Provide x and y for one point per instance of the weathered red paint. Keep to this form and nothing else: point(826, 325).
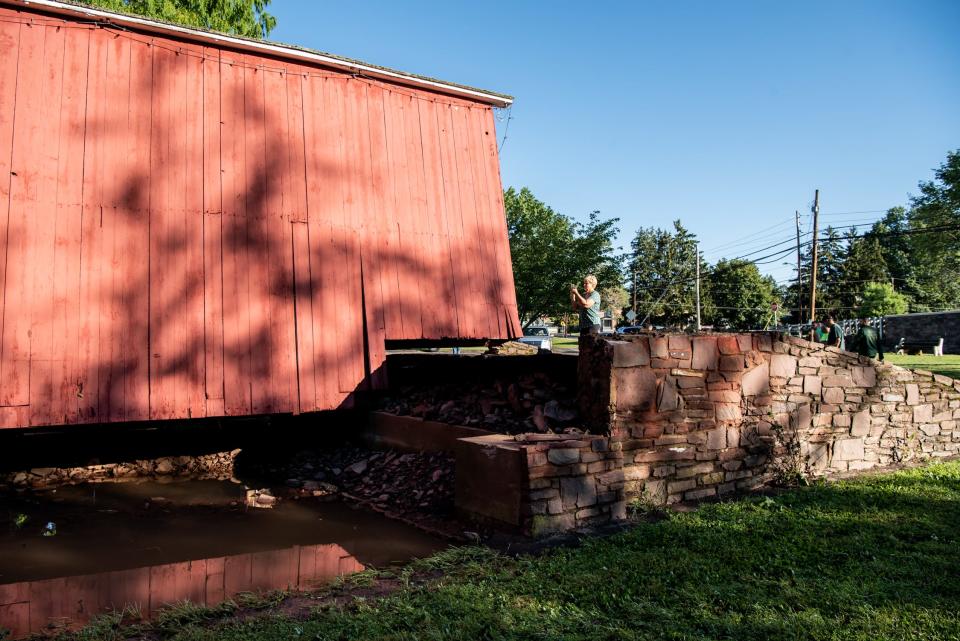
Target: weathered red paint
point(191, 231)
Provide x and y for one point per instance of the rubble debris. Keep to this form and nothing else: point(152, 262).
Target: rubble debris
point(529, 403)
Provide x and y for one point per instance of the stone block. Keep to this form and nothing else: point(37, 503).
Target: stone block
point(694, 470)
point(655, 492)
point(728, 412)
point(812, 385)
point(861, 423)
point(678, 342)
point(930, 429)
point(810, 361)
point(833, 395)
point(848, 449)
point(783, 365)
point(633, 353)
point(841, 420)
point(578, 491)
point(702, 493)
point(756, 381)
point(717, 439)
point(543, 525)
point(634, 389)
point(864, 376)
point(636, 472)
point(731, 363)
point(704, 353)
point(658, 347)
point(728, 345)
point(667, 396)
point(913, 394)
point(922, 413)
point(563, 456)
point(837, 381)
point(676, 487)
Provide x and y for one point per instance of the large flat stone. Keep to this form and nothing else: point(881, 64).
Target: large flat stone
point(667, 397)
point(922, 413)
point(861, 423)
point(812, 385)
point(634, 389)
point(848, 449)
point(864, 376)
point(913, 394)
point(756, 381)
point(783, 365)
point(833, 395)
point(632, 353)
point(704, 353)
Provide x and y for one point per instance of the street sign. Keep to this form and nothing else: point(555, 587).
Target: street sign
point(631, 315)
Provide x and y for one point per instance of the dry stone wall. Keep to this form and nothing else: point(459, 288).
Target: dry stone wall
point(694, 417)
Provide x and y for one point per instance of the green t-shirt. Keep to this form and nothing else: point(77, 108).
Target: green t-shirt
point(868, 342)
point(590, 316)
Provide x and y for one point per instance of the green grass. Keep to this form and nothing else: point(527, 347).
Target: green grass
point(875, 558)
point(948, 365)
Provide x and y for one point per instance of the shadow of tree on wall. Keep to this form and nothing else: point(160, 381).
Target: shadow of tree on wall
point(236, 235)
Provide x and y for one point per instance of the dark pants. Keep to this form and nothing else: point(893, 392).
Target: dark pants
point(590, 329)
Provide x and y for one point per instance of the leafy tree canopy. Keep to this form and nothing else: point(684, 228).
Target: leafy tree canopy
point(663, 270)
point(247, 18)
point(741, 295)
point(880, 299)
point(550, 251)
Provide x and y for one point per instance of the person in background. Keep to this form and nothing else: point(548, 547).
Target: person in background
point(820, 333)
point(835, 337)
point(588, 304)
point(867, 340)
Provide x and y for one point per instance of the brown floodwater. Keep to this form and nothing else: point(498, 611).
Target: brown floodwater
point(151, 544)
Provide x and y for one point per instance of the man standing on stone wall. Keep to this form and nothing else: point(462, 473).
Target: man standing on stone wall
point(867, 340)
point(588, 304)
point(835, 337)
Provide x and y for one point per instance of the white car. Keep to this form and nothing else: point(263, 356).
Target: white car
point(539, 337)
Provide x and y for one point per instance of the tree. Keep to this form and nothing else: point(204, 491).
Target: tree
point(664, 273)
point(550, 251)
point(880, 299)
point(239, 17)
point(614, 299)
point(936, 254)
point(863, 262)
point(741, 295)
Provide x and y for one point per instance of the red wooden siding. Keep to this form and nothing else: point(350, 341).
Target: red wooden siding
point(191, 231)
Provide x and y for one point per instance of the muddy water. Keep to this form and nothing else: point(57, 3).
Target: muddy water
point(152, 544)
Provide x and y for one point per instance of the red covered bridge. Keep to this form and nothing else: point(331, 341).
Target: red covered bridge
point(193, 224)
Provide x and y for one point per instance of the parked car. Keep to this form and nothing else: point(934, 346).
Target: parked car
point(630, 329)
point(539, 337)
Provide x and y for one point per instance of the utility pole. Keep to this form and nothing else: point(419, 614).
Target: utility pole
point(799, 277)
point(634, 288)
point(697, 259)
point(813, 269)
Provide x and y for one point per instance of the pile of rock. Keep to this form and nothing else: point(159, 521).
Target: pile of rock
point(218, 466)
point(390, 481)
point(529, 403)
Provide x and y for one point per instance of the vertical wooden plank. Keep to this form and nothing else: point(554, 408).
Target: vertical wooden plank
point(136, 247)
point(277, 242)
point(212, 242)
point(444, 306)
point(322, 195)
point(191, 579)
point(417, 234)
point(41, 202)
point(295, 203)
point(236, 574)
point(192, 345)
point(488, 284)
point(236, 326)
point(25, 173)
point(67, 227)
point(113, 230)
point(214, 589)
point(91, 250)
point(454, 226)
point(274, 569)
point(498, 222)
point(407, 290)
point(255, 192)
point(163, 586)
point(471, 237)
point(9, 42)
point(374, 260)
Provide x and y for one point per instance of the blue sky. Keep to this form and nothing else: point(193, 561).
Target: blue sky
point(726, 115)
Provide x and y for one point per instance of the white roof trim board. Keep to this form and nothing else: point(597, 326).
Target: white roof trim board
point(249, 44)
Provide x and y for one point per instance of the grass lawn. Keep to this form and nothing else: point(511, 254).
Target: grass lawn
point(875, 558)
point(948, 365)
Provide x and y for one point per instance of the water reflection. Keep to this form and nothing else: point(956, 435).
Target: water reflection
point(153, 544)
